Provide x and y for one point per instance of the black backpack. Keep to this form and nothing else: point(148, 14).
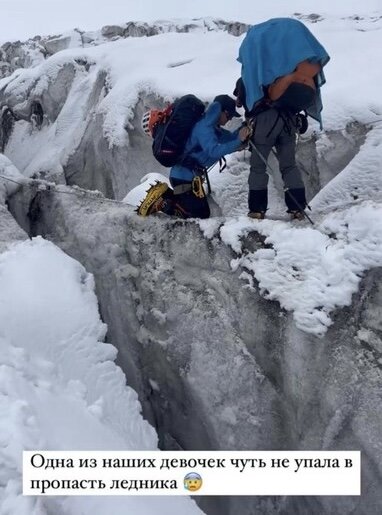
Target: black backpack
point(172, 132)
point(296, 91)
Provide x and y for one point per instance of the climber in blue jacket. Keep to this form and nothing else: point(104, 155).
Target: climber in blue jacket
point(207, 144)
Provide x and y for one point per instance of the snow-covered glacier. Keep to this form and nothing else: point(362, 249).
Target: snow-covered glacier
point(236, 334)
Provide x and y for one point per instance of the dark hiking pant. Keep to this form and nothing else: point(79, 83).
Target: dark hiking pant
point(273, 128)
point(185, 205)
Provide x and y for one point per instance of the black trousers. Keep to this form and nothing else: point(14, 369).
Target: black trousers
point(185, 205)
point(273, 129)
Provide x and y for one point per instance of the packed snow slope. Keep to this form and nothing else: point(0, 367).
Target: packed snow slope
point(235, 333)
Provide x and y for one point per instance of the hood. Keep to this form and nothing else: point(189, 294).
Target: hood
point(211, 116)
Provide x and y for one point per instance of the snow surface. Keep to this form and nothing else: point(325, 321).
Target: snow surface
point(312, 271)
point(137, 194)
point(10, 178)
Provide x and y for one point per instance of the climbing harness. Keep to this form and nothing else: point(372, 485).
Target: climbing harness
point(197, 187)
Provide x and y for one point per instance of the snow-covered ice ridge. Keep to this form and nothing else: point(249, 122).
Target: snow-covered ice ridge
point(23, 54)
point(16, 54)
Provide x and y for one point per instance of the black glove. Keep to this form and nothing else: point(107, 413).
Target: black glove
point(301, 123)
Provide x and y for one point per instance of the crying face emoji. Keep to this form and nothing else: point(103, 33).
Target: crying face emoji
point(192, 481)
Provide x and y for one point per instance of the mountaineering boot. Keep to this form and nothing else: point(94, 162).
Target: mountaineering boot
point(297, 215)
point(295, 199)
point(257, 215)
point(257, 201)
point(153, 201)
point(296, 203)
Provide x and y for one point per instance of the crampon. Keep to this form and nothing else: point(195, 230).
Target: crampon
point(153, 201)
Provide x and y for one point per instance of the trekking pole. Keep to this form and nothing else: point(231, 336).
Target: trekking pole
point(378, 120)
point(273, 173)
point(306, 173)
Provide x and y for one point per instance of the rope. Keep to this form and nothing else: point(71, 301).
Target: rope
point(52, 186)
point(12, 180)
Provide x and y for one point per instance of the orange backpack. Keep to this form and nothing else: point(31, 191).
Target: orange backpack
point(297, 90)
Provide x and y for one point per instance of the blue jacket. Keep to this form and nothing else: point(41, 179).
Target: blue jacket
point(273, 49)
point(207, 143)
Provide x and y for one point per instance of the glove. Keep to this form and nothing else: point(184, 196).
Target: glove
point(301, 123)
point(244, 133)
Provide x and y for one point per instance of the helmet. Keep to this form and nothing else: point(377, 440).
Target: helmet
point(150, 119)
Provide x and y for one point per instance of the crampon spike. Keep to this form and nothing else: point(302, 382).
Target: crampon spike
point(153, 194)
